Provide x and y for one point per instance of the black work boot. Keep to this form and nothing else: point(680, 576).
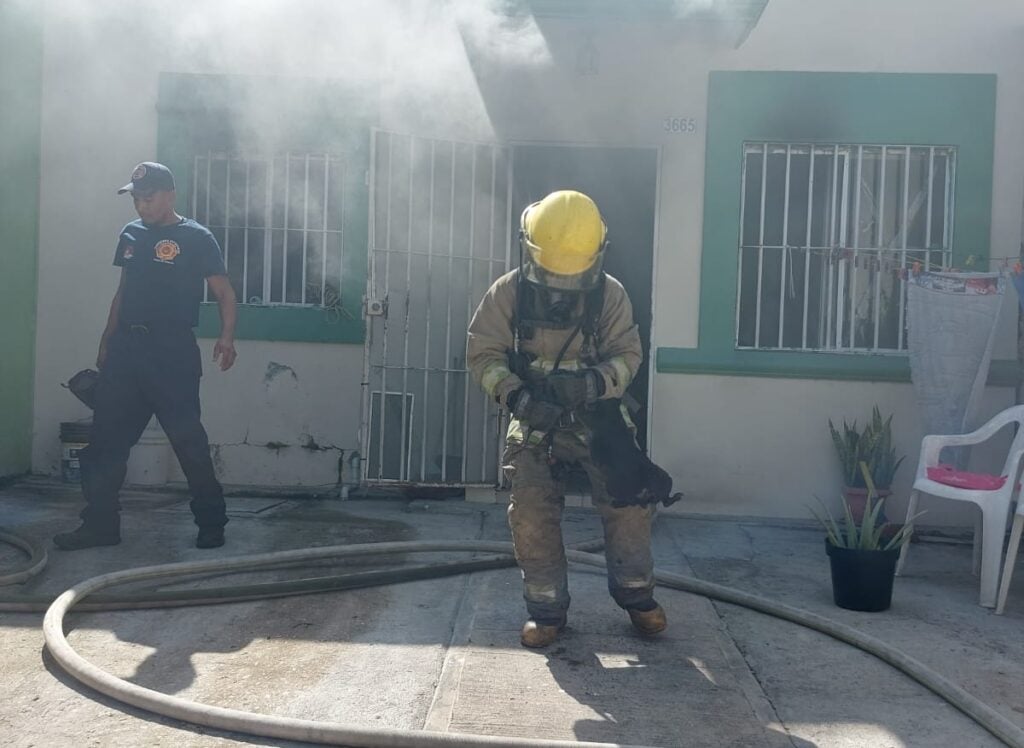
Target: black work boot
point(87, 536)
point(210, 537)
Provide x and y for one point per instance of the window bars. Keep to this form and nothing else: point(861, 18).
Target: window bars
point(824, 232)
point(279, 222)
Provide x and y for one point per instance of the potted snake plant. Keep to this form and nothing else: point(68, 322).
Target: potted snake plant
point(872, 446)
point(863, 553)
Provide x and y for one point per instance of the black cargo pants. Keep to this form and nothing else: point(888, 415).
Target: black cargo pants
point(148, 370)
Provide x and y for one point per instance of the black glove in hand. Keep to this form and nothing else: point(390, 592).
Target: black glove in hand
point(537, 414)
point(83, 386)
point(575, 388)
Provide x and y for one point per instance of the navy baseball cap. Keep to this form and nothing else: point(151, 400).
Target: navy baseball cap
point(149, 176)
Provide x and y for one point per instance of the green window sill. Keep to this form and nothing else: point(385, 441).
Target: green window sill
point(800, 365)
point(286, 323)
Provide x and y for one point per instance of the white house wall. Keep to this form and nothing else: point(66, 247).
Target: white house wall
point(751, 446)
point(734, 444)
point(288, 417)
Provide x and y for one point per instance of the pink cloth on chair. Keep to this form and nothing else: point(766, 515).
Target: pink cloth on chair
point(950, 476)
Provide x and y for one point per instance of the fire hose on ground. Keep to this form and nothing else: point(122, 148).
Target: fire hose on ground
point(341, 734)
point(36, 558)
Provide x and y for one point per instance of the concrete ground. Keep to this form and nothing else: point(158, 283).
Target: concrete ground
point(444, 654)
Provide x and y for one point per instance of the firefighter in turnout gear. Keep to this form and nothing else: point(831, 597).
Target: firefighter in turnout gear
point(553, 341)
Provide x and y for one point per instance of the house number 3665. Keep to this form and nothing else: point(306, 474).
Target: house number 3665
point(679, 124)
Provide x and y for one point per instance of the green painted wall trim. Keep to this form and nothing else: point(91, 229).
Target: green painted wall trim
point(200, 113)
point(796, 365)
point(867, 108)
point(21, 65)
point(289, 323)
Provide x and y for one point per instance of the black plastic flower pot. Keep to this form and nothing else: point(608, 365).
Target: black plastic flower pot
point(862, 580)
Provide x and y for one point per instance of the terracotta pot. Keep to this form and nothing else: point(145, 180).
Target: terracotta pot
point(857, 498)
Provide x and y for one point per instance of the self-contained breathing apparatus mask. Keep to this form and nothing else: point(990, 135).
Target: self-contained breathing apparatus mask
point(559, 306)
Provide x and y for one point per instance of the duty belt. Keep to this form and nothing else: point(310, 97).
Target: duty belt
point(154, 328)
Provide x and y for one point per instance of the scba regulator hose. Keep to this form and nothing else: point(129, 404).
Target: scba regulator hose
point(342, 734)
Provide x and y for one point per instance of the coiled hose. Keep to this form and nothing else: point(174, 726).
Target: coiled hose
point(36, 560)
point(336, 733)
point(150, 599)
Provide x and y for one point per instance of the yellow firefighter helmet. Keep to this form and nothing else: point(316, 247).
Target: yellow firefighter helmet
point(563, 238)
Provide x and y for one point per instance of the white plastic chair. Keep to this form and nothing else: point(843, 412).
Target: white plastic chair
point(994, 505)
point(1011, 556)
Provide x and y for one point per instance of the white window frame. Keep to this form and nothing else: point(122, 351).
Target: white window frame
point(322, 219)
point(864, 249)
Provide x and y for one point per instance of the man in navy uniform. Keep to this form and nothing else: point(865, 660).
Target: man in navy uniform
point(149, 361)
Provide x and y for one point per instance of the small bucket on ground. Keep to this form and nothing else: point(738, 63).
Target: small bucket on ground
point(74, 437)
point(150, 460)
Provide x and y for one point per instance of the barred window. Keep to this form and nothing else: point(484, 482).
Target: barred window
point(279, 223)
point(824, 232)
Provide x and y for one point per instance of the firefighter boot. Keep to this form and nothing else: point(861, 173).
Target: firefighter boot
point(88, 536)
point(210, 537)
point(536, 635)
point(649, 622)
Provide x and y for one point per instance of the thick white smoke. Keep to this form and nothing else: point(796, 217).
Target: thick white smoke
point(413, 54)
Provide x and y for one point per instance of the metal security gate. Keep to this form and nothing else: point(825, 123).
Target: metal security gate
point(440, 233)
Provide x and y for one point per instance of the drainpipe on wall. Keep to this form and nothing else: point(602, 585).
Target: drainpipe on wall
point(350, 477)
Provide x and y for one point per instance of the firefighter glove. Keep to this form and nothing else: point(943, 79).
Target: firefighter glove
point(575, 388)
point(538, 414)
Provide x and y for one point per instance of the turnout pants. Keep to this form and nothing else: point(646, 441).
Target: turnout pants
point(535, 514)
point(147, 371)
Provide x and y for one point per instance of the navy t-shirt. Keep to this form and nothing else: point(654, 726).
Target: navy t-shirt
point(165, 268)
